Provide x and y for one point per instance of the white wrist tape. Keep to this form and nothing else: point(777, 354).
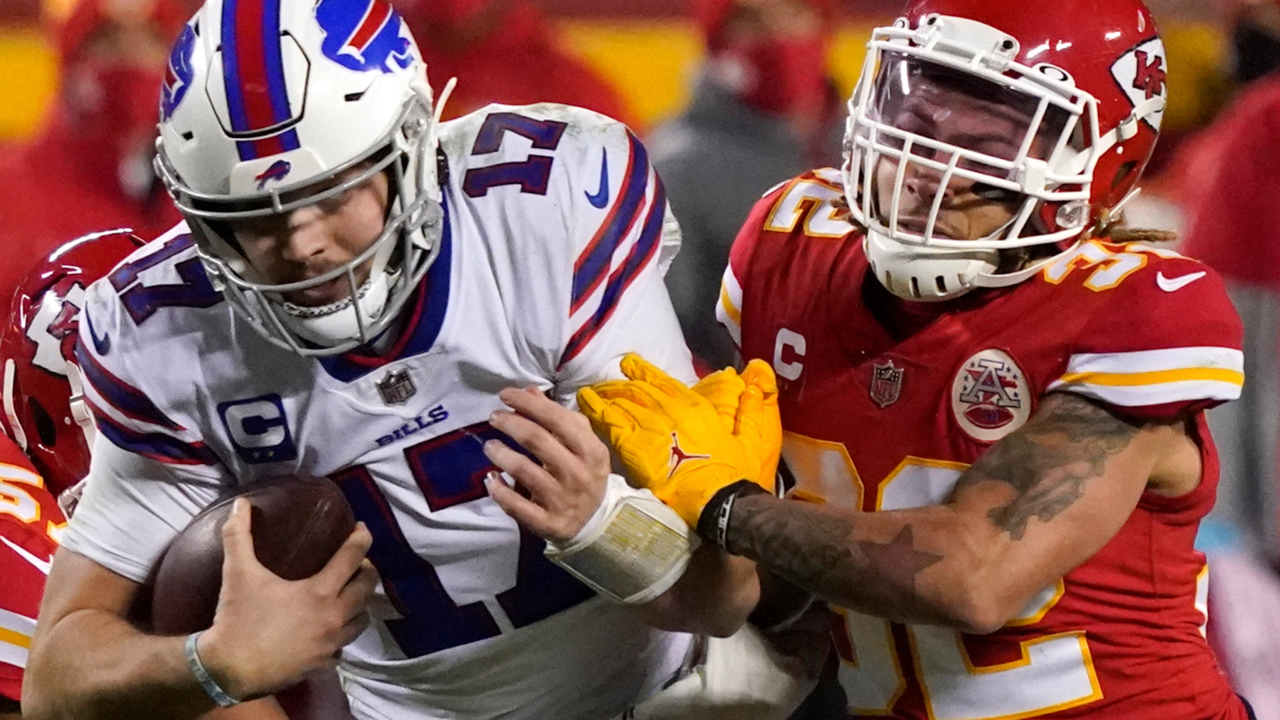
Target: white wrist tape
point(633, 549)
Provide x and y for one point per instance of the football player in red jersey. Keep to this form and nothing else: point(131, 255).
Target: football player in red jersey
point(29, 523)
point(993, 401)
point(44, 451)
point(45, 455)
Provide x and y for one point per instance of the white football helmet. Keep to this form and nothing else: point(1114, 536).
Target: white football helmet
point(1074, 91)
point(264, 104)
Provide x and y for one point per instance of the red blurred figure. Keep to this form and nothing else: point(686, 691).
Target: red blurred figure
point(90, 167)
point(503, 51)
point(772, 56)
point(763, 110)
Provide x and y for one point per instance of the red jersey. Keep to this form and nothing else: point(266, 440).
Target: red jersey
point(885, 403)
point(29, 523)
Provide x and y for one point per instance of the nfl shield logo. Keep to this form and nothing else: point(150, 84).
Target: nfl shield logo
point(396, 388)
point(886, 383)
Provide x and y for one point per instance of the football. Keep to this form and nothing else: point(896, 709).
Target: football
point(297, 524)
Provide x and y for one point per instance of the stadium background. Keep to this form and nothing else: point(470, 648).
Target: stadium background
point(648, 49)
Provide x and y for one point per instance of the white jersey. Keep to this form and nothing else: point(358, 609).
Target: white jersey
point(550, 270)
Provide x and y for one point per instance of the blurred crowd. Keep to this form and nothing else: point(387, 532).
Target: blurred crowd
point(764, 108)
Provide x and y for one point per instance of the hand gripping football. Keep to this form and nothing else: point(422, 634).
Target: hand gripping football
point(298, 524)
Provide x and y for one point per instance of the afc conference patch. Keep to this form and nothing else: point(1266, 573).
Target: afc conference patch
point(989, 396)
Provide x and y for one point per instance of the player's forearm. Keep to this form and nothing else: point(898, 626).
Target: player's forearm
point(713, 597)
point(904, 565)
point(94, 665)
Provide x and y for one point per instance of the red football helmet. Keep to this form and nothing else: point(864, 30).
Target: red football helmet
point(44, 407)
point(1076, 89)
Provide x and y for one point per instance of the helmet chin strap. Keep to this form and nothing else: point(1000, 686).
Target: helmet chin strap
point(999, 280)
point(10, 411)
point(331, 324)
point(965, 267)
point(429, 145)
point(80, 411)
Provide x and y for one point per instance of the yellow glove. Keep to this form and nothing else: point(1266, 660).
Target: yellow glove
point(687, 444)
point(746, 417)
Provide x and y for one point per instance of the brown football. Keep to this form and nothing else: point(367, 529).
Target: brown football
point(298, 524)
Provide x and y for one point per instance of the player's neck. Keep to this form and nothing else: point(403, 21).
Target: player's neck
point(904, 318)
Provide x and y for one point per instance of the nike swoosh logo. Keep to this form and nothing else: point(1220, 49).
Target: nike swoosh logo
point(1175, 284)
point(101, 344)
point(41, 565)
point(601, 198)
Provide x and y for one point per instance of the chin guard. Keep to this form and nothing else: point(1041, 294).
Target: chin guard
point(633, 549)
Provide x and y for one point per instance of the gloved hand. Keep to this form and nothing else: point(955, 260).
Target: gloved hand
point(686, 444)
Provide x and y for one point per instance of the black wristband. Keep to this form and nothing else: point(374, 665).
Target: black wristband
point(713, 523)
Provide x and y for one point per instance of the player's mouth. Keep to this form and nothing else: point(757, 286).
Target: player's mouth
point(917, 226)
point(326, 293)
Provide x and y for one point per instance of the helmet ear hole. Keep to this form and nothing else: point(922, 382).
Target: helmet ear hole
point(46, 428)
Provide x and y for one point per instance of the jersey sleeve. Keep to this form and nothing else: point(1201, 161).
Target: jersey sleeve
point(30, 523)
point(1159, 341)
point(150, 472)
point(781, 258)
point(589, 241)
point(616, 300)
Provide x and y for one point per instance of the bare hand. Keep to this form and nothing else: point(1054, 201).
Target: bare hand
point(269, 632)
point(567, 488)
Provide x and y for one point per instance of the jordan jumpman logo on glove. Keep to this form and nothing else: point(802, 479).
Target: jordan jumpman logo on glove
point(687, 444)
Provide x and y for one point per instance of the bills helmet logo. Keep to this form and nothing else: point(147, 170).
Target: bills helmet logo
point(366, 37)
point(1141, 74)
point(275, 173)
point(177, 77)
point(989, 396)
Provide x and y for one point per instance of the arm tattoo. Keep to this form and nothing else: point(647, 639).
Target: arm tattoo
point(815, 550)
point(1049, 460)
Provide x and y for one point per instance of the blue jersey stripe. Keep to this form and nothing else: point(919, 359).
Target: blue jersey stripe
point(129, 400)
point(593, 264)
point(622, 278)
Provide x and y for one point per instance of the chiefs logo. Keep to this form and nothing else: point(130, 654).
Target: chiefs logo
point(51, 330)
point(1141, 74)
point(989, 396)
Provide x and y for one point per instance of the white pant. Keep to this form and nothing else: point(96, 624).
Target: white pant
point(743, 677)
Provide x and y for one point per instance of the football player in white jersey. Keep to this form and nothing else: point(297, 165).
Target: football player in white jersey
point(353, 286)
